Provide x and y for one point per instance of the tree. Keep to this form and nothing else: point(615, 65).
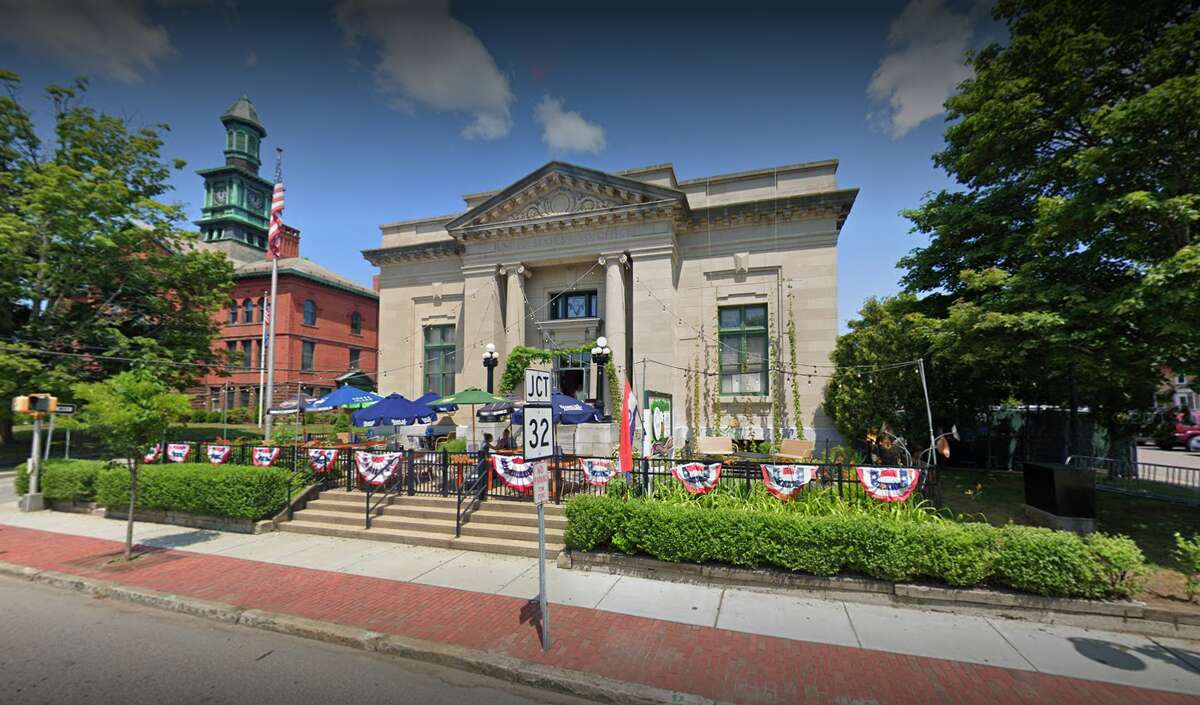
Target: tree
point(1064, 269)
point(95, 264)
point(129, 413)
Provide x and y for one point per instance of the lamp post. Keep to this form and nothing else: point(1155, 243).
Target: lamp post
point(600, 355)
point(491, 358)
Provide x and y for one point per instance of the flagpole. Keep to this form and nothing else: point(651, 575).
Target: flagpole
point(262, 359)
point(272, 247)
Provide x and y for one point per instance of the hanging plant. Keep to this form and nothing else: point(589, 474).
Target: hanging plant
point(797, 418)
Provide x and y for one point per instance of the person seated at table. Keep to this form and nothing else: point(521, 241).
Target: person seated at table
point(506, 440)
point(487, 443)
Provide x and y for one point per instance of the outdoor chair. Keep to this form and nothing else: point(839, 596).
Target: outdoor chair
point(714, 445)
point(795, 449)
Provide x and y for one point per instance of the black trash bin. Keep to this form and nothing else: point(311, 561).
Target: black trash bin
point(1060, 496)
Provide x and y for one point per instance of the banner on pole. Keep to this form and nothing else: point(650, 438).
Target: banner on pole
point(321, 459)
point(376, 469)
point(178, 452)
point(889, 484)
point(264, 457)
point(598, 472)
point(697, 478)
point(786, 481)
point(514, 472)
point(217, 455)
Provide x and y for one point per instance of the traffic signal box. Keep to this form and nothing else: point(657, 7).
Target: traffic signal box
point(36, 404)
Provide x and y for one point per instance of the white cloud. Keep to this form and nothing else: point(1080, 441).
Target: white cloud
point(113, 38)
point(567, 131)
point(427, 57)
point(930, 42)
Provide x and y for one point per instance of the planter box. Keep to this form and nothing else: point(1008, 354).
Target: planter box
point(73, 506)
point(195, 521)
point(1060, 496)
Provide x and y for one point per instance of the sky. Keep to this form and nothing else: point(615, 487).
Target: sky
point(394, 110)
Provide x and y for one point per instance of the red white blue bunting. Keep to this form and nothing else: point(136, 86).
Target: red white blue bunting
point(321, 459)
point(263, 456)
point(178, 452)
point(786, 481)
point(889, 484)
point(152, 454)
point(376, 469)
point(598, 472)
point(514, 472)
point(217, 455)
point(697, 478)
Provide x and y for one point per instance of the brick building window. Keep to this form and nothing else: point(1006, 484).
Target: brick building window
point(247, 353)
point(307, 350)
point(231, 351)
point(573, 304)
point(356, 323)
point(233, 309)
point(439, 359)
point(743, 335)
point(310, 312)
point(354, 353)
point(248, 311)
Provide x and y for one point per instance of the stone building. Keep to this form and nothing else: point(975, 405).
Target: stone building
point(326, 325)
point(723, 274)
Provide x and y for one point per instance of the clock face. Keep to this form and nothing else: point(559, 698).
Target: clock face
point(220, 195)
point(256, 199)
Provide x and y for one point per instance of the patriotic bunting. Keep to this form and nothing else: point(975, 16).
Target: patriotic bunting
point(178, 452)
point(321, 459)
point(217, 455)
point(598, 472)
point(264, 457)
point(786, 481)
point(514, 472)
point(376, 468)
point(697, 478)
point(889, 484)
point(152, 454)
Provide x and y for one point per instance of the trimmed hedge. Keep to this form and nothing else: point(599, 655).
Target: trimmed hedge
point(64, 480)
point(236, 491)
point(1034, 560)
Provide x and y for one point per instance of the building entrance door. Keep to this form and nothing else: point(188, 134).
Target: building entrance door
point(572, 372)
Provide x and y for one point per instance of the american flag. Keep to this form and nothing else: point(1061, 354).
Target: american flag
point(276, 230)
point(266, 323)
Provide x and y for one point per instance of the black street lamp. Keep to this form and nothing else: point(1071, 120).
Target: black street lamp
point(600, 355)
point(491, 358)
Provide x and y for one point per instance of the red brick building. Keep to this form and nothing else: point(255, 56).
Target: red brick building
point(326, 326)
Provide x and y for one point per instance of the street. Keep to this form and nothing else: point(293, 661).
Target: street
point(7, 492)
point(63, 648)
point(1177, 457)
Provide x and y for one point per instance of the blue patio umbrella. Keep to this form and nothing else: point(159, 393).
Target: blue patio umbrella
point(344, 397)
point(429, 397)
point(564, 409)
point(393, 410)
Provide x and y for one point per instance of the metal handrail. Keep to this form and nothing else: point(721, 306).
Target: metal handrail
point(386, 489)
point(474, 492)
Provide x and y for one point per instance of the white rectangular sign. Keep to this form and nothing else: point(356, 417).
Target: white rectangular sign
point(541, 484)
point(537, 387)
point(539, 432)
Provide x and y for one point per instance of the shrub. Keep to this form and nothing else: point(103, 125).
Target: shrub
point(889, 545)
point(456, 445)
point(64, 480)
point(1186, 554)
point(236, 491)
point(341, 423)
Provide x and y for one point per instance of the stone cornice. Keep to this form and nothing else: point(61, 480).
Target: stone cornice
point(827, 204)
point(410, 253)
point(603, 217)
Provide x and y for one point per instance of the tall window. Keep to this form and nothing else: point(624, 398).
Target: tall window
point(310, 312)
point(247, 352)
point(744, 359)
point(356, 323)
point(261, 310)
point(354, 352)
point(439, 359)
point(233, 309)
point(573, 304)
point(231, 350)
point(248, 311)
point(307, 350)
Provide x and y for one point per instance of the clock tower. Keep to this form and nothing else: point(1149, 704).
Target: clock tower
point(237, 200)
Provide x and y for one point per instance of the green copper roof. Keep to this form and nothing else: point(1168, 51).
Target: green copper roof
point(242, 109)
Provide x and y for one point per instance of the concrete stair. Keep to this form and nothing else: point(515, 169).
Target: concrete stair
point(496, 526)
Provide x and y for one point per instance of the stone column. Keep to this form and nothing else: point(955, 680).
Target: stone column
point(481, 323)
point(614, 309)
point(515, 309)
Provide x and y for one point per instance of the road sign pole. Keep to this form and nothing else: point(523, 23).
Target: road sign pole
point(49, 439)
point(541, 495)
point(67, 447)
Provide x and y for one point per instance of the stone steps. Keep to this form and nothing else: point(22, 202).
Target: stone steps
point(496, 526)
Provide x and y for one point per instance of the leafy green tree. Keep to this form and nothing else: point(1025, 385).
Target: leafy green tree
point(1064, 269)
point(95, 264)
point(129, 413)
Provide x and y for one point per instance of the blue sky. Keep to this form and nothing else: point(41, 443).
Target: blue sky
point(392, 111)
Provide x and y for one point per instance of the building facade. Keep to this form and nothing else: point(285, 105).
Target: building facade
point(705, 289)
point(326, 326)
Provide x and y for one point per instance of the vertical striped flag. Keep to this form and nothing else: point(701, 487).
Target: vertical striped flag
point(266, 323)
point(275, 233)
point(628, 428)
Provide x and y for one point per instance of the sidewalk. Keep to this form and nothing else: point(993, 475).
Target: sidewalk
point(726, 644)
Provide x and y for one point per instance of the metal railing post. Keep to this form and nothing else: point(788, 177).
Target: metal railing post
point(445, 473)
point(412, 472)
point(645, 476)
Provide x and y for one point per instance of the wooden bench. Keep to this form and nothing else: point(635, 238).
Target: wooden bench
point(795, 449)
point(714, 445)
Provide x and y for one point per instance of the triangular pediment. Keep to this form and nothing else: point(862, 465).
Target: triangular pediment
point(560, 190)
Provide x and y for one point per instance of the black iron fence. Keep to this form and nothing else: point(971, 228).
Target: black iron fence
point(1167, 483)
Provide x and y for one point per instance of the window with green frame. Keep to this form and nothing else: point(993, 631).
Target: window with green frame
point(439, 359)
point(744, 358)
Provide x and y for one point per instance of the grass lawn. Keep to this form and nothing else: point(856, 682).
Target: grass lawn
point(997, 498)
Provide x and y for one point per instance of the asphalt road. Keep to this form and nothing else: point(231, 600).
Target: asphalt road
point(7, 493)
point(63, 648)
point(1176, 456)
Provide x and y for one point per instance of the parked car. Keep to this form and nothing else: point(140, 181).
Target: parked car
point(1176, 428)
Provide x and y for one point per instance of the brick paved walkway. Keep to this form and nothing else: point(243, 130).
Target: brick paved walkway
point(716, 663)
